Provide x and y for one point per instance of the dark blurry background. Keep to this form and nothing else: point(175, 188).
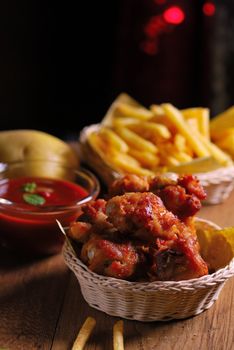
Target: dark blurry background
point(69, 61)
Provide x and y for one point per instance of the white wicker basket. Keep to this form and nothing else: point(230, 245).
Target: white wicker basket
point(218, 184)
point(153, 301)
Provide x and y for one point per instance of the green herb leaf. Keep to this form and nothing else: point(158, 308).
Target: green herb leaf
point(30, 187)
point(34, 199)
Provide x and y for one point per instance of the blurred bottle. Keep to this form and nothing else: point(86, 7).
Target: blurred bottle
point(219, 88)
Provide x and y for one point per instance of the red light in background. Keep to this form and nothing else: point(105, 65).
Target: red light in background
point(208, 9)
point(154, 26)
point(174, 15)
point(150, 47)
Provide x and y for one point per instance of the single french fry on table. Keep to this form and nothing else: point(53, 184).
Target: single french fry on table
point(118, 337)
point(84, 334)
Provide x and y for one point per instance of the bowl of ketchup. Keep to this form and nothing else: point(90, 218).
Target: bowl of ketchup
point(33, 195)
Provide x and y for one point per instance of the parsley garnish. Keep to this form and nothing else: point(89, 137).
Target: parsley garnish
point(34, 199)
point(30, 187)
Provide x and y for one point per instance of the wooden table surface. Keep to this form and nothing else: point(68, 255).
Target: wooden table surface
point(41, 307)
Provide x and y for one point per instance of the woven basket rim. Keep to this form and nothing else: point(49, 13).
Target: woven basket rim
point(222, 174)
point(218, 276)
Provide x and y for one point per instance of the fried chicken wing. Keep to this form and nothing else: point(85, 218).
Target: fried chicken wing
point(110, 258)
point(144, 216)
point(192, 186)
point(129, 183)
point(80, 231)
point(182, 196)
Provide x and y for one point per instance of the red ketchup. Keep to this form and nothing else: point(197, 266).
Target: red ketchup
point(27, 222)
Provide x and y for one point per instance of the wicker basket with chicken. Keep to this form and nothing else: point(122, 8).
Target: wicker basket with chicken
point(136, 253)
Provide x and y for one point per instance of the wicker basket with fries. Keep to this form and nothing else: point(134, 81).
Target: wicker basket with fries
point(149, 301)
point(162, 139)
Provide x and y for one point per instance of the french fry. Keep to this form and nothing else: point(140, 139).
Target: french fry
point(183, 157)
point(177, 119)
point(227, 144)
point(223, 134)
point(97, 143)
point(127, 164)
point(171, 160)
point(180, 142)
point(112, 112)
point(221, 157)
point(84, 334)
point(153, 130)
point(202, 115)
point(166, 153)
point(118, 338)
point(136, 141)
point(157, 110)
point(133, 111)
point(222, 121)
point(119, 122)
point(193, 123)
point(147, 129)
point(113, 140)
point(146, 159)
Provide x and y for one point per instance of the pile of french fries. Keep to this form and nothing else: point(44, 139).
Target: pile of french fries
point(134, 139)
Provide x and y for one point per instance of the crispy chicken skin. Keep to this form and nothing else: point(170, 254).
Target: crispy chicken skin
point(175, 251)
point(182, 197)
point(129, 183)
point(110, 258)
point(134, 236)
point(142, 215)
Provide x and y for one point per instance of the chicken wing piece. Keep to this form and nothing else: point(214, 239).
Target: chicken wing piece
point(80, 231)
point(192, 186)
point(181, 196)
point(176, 200)
point(129, 183)
point(109, 258)
point(144, 216)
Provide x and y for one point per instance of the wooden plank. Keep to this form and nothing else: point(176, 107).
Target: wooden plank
point(30, 299)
